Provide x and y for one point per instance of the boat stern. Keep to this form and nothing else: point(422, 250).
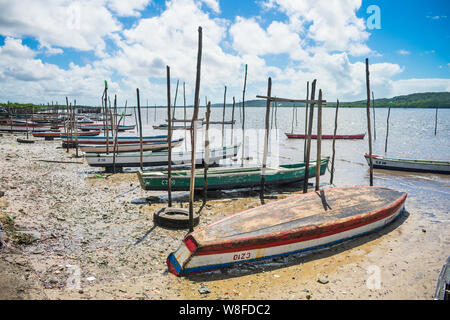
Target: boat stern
point(177, 260)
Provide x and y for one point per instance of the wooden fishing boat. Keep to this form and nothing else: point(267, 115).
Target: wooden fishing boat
point(24, 140)
point(98, 126)
point(326, 136)
point(165, 126)
point(295, 224)
point(431, 166)
point(57, 134)
point(135, 147)
point(160, 158)
point(9, 128)
point(442, 291)
point(120, 140)
point(229, 177)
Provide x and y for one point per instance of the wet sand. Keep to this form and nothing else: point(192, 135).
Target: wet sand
point(85, 229)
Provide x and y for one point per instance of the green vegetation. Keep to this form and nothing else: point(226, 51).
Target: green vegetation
point(415, 100)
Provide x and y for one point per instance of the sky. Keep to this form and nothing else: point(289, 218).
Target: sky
point(50, 49)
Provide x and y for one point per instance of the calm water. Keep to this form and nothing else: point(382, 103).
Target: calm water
point(411, 135)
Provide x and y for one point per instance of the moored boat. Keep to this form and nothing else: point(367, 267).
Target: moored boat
point(327, 136)
point(120, 140)
point(135, 147)
point(229, 177)
point(431, 166)
point(295, 224)
point(160, 158)
point(57, 134)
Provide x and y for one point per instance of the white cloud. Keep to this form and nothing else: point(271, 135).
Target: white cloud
point(212, 4)
point(81, 25)
point(125, 8)
point(403, 52)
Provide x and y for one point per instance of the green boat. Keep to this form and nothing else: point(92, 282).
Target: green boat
point(229, 177)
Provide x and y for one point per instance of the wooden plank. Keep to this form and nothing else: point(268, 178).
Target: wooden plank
point(292, 100)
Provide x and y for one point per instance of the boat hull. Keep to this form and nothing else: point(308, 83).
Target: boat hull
point(379, 162)
point(327, 136)
point(197, 253)
point(230, 178)
point(136, 147)
point(158, 158)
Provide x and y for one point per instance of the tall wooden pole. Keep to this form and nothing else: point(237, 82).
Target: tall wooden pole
point(374, 125)
point(243, 117)
point(435, 121)
point(319, 140)
point(368, 121)
point(223, 114)
point(175, 101)
point(116, 133)
point(266, 141)
point(106, 118)
point(387, 127)
point(306, 122)
point(193, 131)
point(232, 121)
point(207, 153)
point(308, 138)
point(184, 114)
point(75, 125)
point(169, 139)
point(67, 126)
point(140, 127)
point(334, 142)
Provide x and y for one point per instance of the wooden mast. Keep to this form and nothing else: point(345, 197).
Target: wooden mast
point(193, 131)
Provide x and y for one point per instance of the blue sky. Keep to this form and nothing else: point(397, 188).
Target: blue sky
point(43, 58)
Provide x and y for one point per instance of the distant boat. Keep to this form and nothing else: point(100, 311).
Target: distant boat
point(229, 177)
point(135, 147)
point(327, 136)
point(120, 140)
point(9, 128)
point(431, 166)
point(165, 126)
point(159, 158)
point(57, 134)
point(298, 223)
point(99, 126)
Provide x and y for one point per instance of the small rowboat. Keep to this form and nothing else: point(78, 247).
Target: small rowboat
point(151, 158)
point(442, 291)
point(58, 134)
point(326, 136)
point(135, 147)
point(229, 177)
point(95, 126)
point(120, 140)
point(432, 166)
point(9, 128)
point(166, 127)
point(295, 224)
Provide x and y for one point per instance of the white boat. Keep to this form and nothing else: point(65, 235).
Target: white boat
point(160, 158)
point(431, 166)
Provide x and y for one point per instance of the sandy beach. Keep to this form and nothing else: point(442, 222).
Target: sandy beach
point(91, 236)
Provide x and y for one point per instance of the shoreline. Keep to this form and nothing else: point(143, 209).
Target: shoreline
point(83, 232)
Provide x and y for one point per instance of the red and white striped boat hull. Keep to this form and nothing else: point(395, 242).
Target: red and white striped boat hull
point(216, 246)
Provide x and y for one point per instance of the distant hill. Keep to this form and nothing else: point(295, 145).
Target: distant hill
point(415, 100)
